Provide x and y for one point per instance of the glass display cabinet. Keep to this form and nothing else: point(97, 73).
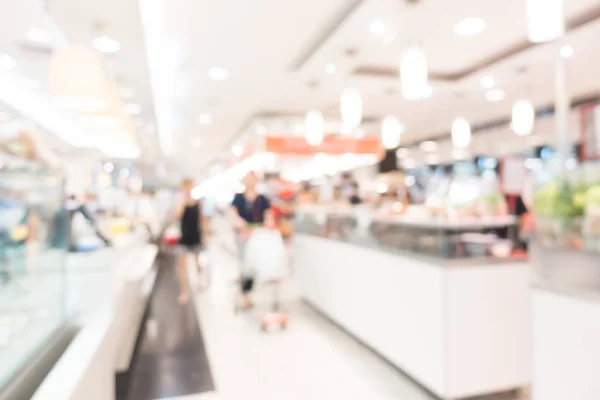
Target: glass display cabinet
point(34, 233)
point(445, 240)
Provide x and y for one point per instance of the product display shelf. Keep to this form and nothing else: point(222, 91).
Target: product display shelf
point(453, 316)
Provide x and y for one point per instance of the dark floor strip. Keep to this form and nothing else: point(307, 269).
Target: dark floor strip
point(171, 360)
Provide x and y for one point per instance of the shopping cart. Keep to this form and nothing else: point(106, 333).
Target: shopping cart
point(265, 265)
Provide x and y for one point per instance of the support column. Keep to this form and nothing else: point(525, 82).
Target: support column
point(562, 107)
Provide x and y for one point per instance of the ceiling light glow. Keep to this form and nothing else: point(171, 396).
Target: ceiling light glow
point(402, 153)
point(566, 51)
point(523, 118)
point(351, 108)
point(314, 124)
point(218, 74)
point(205, 119)
point(487, 82)
point(428, 146)
point(237, 150)
point(377, 27)
point(261, 130)
point(414, 73)
point(330, 68)
point(545, 20)
point(106, 44)
point(461, 133)
point(391, 131)
point(133, 108)
point(495, 95)
point(469, 26)
point(37, 35)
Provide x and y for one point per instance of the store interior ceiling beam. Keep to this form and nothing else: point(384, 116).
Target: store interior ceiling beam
point(512, 50)
point(326, 33)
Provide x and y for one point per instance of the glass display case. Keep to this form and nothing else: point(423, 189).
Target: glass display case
point(437, 238)
point(567, 246)
point(34, 232)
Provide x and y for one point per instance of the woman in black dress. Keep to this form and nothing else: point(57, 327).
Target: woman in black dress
point(189, 214)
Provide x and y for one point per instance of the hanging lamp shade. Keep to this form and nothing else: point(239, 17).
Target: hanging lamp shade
point(351, 108)
point(76, 80)
point(314, 126)
point(545, 20)
point(461, 133)
point(113, 118)
point(523, 118)
point(414, 74)
point(391, 131)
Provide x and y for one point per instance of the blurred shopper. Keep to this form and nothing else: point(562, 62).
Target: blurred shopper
point(355, 195)
point(306, 195)
point(247, 209)
point(189, 215)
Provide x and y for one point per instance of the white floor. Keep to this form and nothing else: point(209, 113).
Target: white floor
point(311, 360)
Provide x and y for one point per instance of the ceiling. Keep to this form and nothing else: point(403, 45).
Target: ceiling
point(275, 53)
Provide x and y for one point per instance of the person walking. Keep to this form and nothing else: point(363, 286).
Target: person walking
point(247, 209)
point(189, 215)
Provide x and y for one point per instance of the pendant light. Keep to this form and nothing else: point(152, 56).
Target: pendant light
point(523, 118)
point(414, 73)
point(76, 80)
point(545, 20)
point(391, 131)
point(314, 125)
point(461, 133)
point(351, 108)
point(112, 118)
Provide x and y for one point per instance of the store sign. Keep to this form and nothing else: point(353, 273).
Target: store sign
point(513, 174)
point(331, 145)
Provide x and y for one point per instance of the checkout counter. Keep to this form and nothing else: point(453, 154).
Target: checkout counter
point(451, 312)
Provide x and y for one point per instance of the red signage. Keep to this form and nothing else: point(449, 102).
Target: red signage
point(332, 145)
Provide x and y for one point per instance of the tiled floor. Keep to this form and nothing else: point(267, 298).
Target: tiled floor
point(312, 360)
point(171, 358)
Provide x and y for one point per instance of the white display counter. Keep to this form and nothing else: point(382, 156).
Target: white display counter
point(459, 330)
point(566, 352)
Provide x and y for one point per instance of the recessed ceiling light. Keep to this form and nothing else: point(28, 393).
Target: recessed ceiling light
point(566, 51)
point(409, 163)
point(469, 26)
point(432, 159)
point(487, 82)
point(205, 119)
point(108, 167)
point(197, 142)
point(495, 95)
point(377, 27)
point(330, 68)
point(428, 146)
point(218, 74)
point(261, 130)
point(7, 61)
point(126, 93)
point(133, 108)
point(427, 91)
point(237, 150)
point(38, 35)
point(402, 153)
point(106, 44)
point(4, 117)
